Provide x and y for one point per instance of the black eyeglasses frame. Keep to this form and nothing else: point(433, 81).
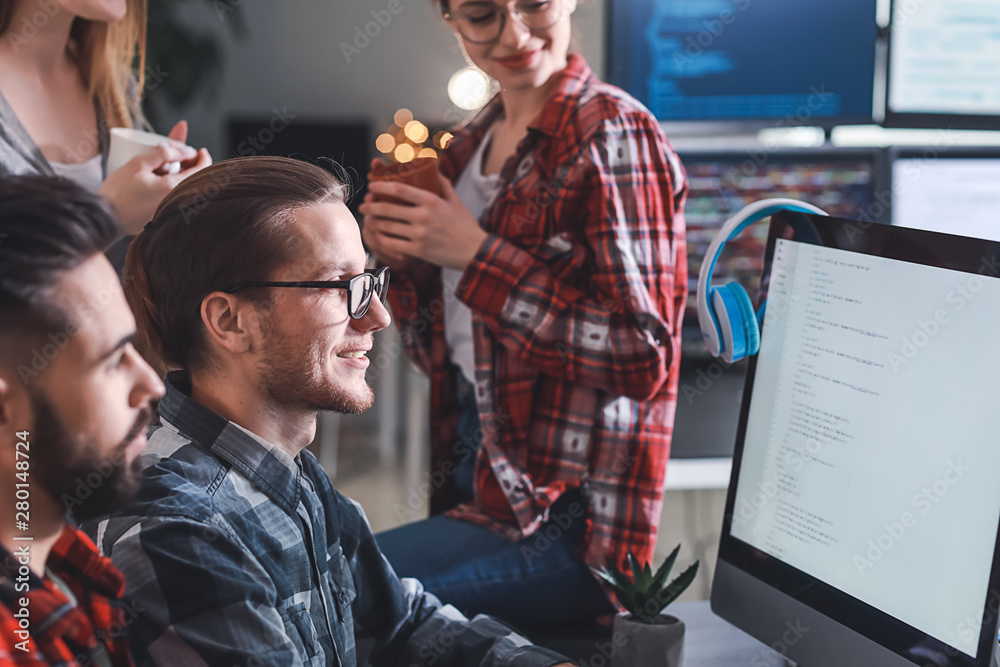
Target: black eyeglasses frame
point(377, 278)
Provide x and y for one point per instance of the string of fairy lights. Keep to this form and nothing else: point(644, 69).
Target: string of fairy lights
point(406, 138)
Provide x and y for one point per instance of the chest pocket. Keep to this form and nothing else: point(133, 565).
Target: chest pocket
point(342, 585)
point(302, 633)
point(342, 595)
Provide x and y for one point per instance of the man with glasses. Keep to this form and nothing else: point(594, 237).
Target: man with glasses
point(237, 550)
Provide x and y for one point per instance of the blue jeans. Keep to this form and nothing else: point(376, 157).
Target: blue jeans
point(535, 581)
point(538, 580)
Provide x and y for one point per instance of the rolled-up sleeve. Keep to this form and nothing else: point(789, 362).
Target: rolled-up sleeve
point(411, 626)
point(616, 332)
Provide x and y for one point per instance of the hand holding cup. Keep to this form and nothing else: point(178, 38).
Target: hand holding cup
point(409, 215)
point(419, 172)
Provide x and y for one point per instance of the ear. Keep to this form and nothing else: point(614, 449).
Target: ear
point(6, 409)
point(231, 323)
point(15, 407)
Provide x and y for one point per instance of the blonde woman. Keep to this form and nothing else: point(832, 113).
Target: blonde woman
point(66, 78)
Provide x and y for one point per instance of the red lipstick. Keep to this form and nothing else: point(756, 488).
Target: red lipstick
point(518, 61)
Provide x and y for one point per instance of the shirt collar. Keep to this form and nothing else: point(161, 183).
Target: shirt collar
point(567, 88)
point(554, 119)
point(75, 559)
point(269, 467)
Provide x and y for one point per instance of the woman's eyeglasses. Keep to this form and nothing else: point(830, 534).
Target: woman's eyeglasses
point(360, 289)
point(483, 22)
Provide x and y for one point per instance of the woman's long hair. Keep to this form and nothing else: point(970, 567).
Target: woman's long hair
point(111, 57)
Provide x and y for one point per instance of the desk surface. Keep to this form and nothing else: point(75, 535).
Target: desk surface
point(710, 641)
point(690, 474)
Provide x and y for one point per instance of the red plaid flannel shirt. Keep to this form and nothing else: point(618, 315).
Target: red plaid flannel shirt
point(62, 635)
point(577, 297)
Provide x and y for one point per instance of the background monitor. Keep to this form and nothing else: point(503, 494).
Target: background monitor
point(348, 144)
point(952, 190)
point(861, 519)
point(843, 182)
point(809, 63)
point(944, 64)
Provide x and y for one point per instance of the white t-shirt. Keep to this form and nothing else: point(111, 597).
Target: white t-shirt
point(475, 190)
point(87, 174)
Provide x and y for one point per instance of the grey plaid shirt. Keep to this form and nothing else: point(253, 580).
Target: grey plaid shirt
point(235, 554)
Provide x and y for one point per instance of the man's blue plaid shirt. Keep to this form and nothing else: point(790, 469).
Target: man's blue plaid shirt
point(236, 554)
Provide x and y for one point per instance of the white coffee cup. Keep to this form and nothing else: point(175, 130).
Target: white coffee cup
point(127, 143)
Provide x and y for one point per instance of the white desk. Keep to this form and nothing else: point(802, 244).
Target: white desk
point(691, 474)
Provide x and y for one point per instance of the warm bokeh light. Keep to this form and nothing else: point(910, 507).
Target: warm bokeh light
point(385, 143)
point(402, 117)
point(469, 88)
point(404, 153)
point(406, 139)
point(416, 131)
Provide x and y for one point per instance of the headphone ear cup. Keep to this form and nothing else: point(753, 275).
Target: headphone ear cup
point(737, 320)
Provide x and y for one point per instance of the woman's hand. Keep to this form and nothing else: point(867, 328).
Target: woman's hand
point(136, 189)
point(439, 230)
point(179, 133)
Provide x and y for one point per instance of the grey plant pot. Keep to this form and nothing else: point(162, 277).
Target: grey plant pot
point(657, 644)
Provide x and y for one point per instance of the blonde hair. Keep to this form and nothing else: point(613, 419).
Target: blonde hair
point(111, 57)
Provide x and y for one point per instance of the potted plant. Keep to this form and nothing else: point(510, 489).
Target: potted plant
point(643, 635)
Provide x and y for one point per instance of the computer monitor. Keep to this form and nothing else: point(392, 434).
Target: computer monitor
point(944, 64)
point(952, 190)
point(808, 63)
point(861, 519)
point(842, 182)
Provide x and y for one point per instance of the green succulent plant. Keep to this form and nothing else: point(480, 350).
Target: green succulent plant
point(645, 593)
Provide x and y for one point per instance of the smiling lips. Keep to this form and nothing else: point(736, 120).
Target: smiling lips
point(518, 60)
point(354, 354)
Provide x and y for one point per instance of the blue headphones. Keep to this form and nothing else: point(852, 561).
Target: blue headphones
point(726, 315)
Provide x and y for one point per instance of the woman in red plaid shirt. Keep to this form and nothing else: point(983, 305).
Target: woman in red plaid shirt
point(542, 294)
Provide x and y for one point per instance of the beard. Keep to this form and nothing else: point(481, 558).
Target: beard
point(89, 485)
point(292, 376)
